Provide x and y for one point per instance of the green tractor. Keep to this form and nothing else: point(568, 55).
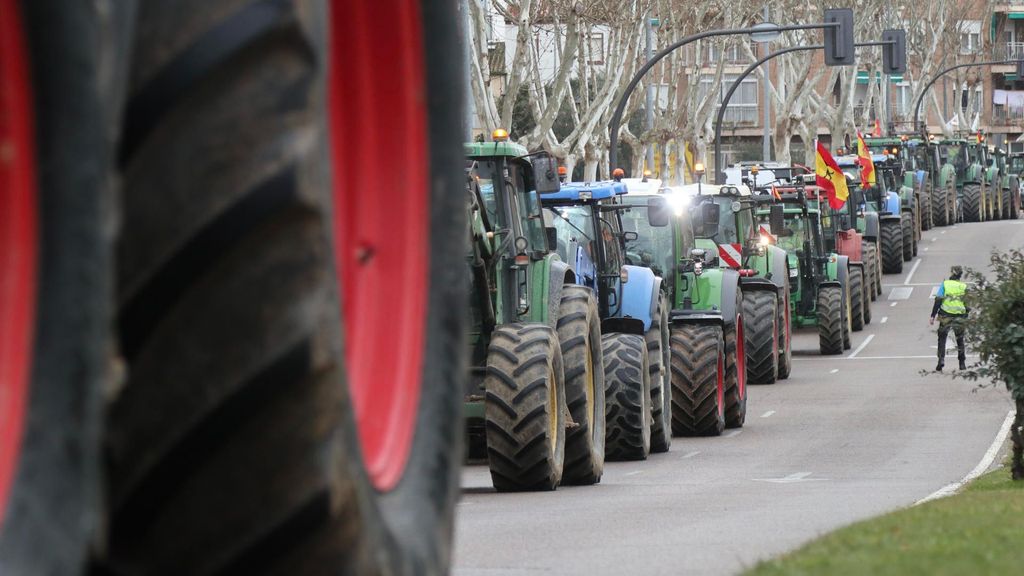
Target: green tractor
point(535, 342)
point(1015, 168)
point(827, 287)
point(708, 372)
point(1008, 184)
point(930, 156)
point(972, 190)
point(913, 180)
point(866, 222)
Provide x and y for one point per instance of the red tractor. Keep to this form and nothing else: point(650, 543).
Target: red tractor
point(230, 286)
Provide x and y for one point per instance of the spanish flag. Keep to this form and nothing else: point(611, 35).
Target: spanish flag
point(830, 178)
point(867, 167)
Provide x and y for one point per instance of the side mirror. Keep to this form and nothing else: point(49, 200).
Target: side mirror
point(552, 234)
point(709, 218)
point(657, 212)
point(545, 174)
point(777, 219)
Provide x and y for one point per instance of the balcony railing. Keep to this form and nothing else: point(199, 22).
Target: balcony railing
point(740, 115)
point(1007, 115)
point(1011, 50)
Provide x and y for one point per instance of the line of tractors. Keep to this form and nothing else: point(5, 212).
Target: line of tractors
point(609, 317)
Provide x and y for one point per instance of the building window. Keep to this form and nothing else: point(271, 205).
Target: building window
point(743, 105)
point(970, 36)
point(596, 45)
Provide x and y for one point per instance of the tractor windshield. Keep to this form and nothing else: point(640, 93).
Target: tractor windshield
point(949, 153)
point(733, 227)
point(653, 247)
point(1016, 164)
point(795, 241)
point(588, 244)
point(484, 171)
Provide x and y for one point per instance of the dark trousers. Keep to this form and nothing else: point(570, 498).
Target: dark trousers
point(957, 323)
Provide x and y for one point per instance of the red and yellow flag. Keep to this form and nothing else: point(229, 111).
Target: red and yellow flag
point(867, 166)
point(831, 179)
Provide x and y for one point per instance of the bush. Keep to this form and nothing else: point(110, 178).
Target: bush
point(996, 332)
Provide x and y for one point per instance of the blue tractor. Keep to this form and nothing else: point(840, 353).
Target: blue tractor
point(585, 227)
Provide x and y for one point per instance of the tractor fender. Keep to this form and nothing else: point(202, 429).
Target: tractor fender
point(945, 174)
point(871, 225)
point(758, 283)
point(893, 203)
point(656, 295)
point(713, 317)
point(559, 274)
point(778, 266)
point(889, 217)
point(623, 326)
point(730, 286)
point(638, 294)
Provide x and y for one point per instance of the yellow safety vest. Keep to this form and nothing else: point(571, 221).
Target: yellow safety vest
point(953, 297)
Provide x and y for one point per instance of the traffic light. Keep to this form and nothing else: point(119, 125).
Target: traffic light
point(894, 52)
point(839, 39)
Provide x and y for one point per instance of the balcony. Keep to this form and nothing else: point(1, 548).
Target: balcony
point(1010, 50)
point(1007, 115)
point(740, 116)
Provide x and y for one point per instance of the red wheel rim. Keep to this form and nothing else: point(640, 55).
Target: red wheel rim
point(378, 137)
point(720, 383)
point(741, 360)
point(17, 241)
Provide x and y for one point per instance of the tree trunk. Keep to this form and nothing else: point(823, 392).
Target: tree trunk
point(1017, 438)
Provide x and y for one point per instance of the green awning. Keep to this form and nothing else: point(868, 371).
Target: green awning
point(1011, 77)
point(1015, 15)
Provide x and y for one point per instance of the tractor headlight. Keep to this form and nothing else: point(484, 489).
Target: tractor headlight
point(793, 272)
point(698, 267)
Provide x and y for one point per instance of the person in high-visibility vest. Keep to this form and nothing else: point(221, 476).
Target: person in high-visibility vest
point(949, 307)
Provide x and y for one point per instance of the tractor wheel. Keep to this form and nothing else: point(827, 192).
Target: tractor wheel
point(847, 317)
point(892, 246)
point(940, 206)
point(1015, 200)
point(290, 309)
point(830, 320)
point(866, 302)
point(736, 368)
point(579, 331)
point(660, 358)
point(698, 380)
point(952, 196)
point(925, 209)
point(857, 303)
point(525, 408)
point(58, 61)
point(908, 237)
point(785, 338)
point(870, 265)
point(1004, 204)
point(761, 328)
point(973, 205)
point(627, 380)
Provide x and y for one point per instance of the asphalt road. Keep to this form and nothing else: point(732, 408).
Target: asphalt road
point(843, 439)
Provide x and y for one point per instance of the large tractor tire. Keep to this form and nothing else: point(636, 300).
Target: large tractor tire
point(830, 320)
point(940, 206)
point(267, 423)
point(892, 246)
point(736, 368)
point(579, 332)
point(973, 204)
point(925, 208)
point(761, 328)
point(698, 380)
point(57, 213)
point(1015, 200)
point(785, 339)
point(525, 408)
point(908, 237)
point(659, 357)
point(1004, 204)
point(857, 303)
point(866, 302)
point(871, 268)
point(627, 379)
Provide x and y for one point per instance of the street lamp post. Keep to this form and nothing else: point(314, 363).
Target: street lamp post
point(920, 98)
point(719, 172)
point(766, 31)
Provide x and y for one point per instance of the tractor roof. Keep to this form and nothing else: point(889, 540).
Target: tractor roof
point(643, 187)
point(492, 149)
point(577, 191)
point(712, 190)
